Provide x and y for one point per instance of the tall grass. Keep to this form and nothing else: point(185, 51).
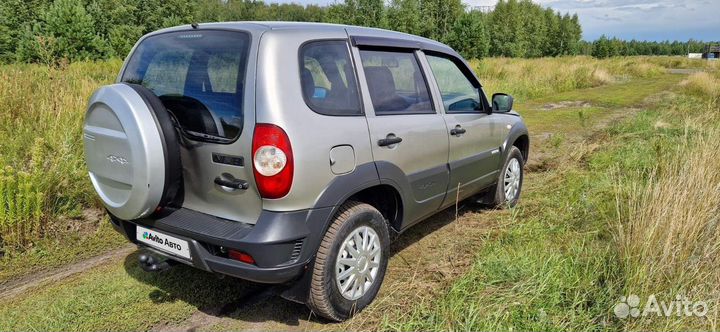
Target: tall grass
point(702, 84)
point(22, 201)
point(541, 77)
point(532, 78)
point(668, 227)
point(42, 173)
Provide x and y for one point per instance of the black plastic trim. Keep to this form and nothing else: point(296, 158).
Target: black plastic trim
point(225, 159)
point(385, 42)
point(517, 130)
point(202, 259)
point(271, 241)
point(389, 141)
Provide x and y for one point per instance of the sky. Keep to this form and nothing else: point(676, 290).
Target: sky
point(627, 19)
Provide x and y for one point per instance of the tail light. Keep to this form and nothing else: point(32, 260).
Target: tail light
point(272, 161)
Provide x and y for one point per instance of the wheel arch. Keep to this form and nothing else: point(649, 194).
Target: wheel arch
point(519, 138)
point(523, 143)
point(386, 199)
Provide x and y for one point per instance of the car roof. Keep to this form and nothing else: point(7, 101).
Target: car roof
point(352, 30)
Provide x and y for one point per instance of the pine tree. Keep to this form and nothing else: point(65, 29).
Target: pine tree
point(72, 30)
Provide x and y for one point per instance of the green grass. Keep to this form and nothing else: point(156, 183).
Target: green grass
point(556, 264)
point(119, 297)
point(548, 269)
point(50, 253)
point(627, 94)
point(44, 180)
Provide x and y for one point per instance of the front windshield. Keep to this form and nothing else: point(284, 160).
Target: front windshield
point(199, 76)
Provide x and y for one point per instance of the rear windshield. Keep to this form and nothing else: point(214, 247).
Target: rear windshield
point(199, 76)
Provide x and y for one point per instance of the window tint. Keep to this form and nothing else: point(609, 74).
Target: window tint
point(328, 79)
point(395, 83)
point(199, 77)
point(458, 93)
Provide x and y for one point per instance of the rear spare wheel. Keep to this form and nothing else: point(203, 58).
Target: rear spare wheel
point(132, 151)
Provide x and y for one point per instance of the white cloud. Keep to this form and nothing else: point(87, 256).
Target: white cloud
point(627, 19)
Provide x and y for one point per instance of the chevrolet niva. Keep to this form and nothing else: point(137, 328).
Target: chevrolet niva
point(292, 153)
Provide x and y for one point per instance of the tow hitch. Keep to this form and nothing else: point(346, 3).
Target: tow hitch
point(151, 263)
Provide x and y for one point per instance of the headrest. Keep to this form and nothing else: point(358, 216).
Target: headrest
point(308, 83)
point(380, 83)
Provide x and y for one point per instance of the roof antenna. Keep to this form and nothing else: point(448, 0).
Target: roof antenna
point(194, 25)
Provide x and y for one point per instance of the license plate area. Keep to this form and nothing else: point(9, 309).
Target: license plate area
point(163, 242)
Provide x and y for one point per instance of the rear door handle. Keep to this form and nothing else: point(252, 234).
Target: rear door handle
point(390, 140)
point(232, 184)
point(458, 130)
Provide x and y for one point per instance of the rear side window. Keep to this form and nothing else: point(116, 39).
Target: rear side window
point(199, 76)
point(328, 79)
point(395, 83)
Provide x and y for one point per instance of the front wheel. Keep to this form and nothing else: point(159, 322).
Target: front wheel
point(510, 180)
point(350, 263)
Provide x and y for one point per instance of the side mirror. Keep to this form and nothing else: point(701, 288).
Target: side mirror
point(502, 102)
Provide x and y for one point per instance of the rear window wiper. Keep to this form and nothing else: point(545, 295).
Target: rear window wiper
point(208, 137)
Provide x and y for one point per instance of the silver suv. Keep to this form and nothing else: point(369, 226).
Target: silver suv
point(291, 153)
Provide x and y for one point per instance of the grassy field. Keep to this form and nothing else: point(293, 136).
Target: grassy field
point(620, 200)
point(631, 209)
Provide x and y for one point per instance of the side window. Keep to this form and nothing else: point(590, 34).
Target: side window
point(459, 95)
point(328, 79)
point(395, 83)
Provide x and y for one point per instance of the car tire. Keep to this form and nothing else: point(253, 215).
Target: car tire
point(329, 297)
point(512, 173)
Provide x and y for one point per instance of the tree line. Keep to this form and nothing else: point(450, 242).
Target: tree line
point(47, 30)
point(606, 47)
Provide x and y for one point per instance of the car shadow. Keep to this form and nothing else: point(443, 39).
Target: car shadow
point(251, 302)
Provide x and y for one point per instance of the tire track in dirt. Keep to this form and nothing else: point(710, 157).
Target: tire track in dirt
point(18, 286)
point(215, 315)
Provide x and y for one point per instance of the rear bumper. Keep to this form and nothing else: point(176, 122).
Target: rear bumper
point(281, 243)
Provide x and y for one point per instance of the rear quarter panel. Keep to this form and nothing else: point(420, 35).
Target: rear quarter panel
point(279, 101)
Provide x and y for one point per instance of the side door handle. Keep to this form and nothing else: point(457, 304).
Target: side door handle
point(389, 140)
point(457, 131)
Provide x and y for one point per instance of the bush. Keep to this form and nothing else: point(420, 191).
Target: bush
point(702, 84)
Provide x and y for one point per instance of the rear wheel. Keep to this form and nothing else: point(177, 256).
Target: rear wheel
point(351, 262)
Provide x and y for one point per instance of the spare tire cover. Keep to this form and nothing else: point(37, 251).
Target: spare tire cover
point(124, 151)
